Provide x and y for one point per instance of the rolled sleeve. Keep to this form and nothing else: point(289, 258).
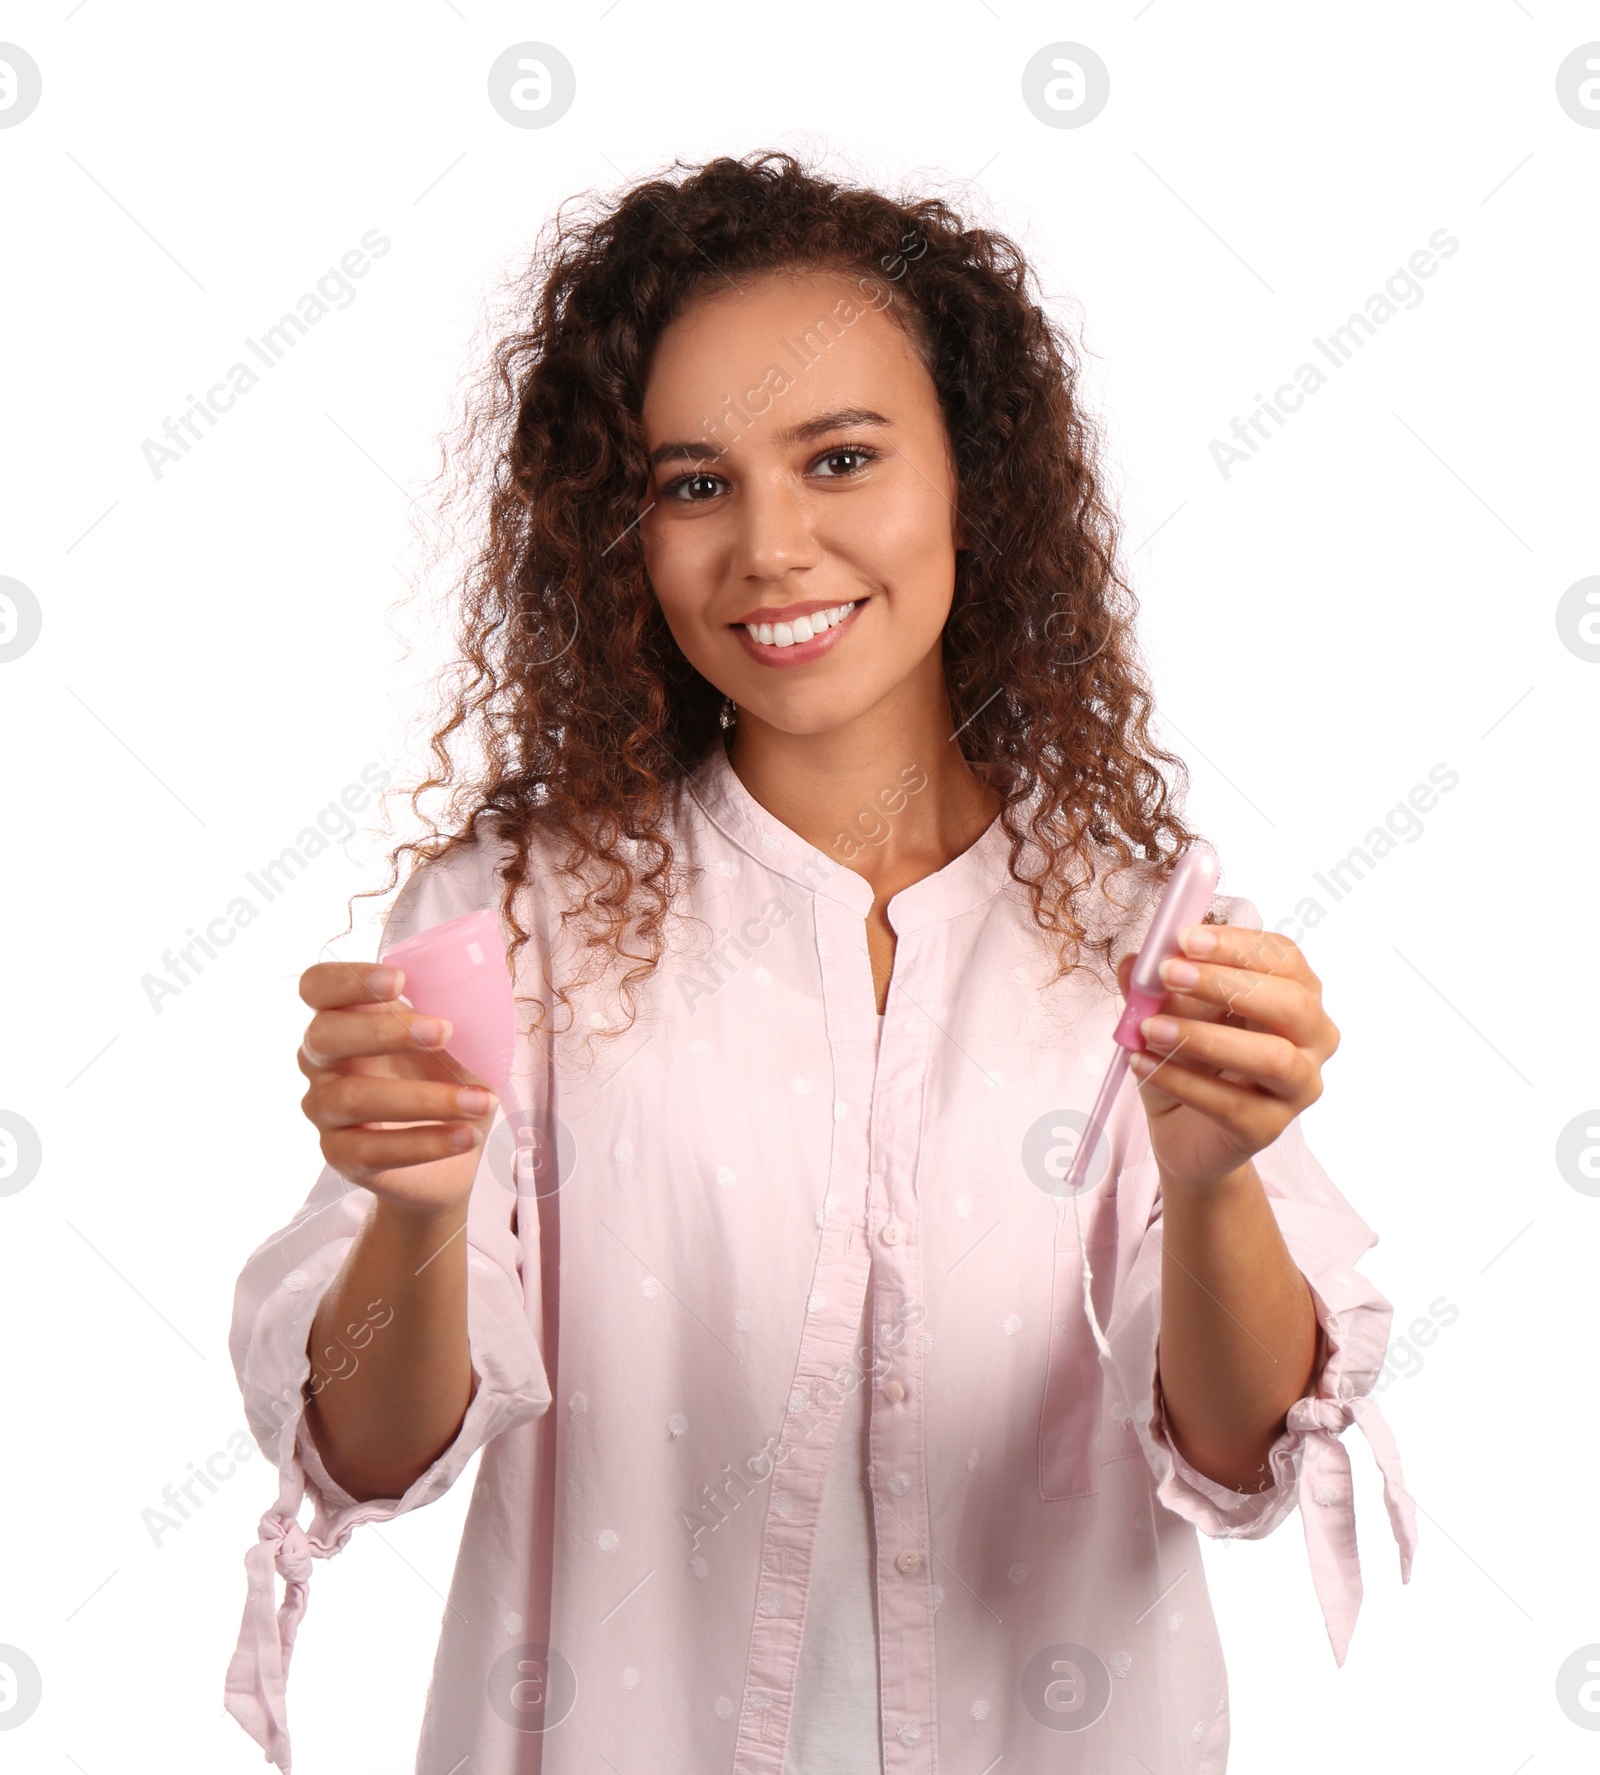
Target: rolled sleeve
point(1308, 1464)
point(1352, 1334)
point(276, 1302)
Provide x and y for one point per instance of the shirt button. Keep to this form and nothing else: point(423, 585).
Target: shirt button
point(893, 1390)
point(892, 1233)
point(909, 1561)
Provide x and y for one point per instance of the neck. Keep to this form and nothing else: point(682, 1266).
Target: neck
point(888, 794)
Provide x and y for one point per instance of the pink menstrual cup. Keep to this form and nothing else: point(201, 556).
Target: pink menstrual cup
point(457, 970)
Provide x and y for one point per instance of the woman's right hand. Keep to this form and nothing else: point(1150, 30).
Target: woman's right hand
point(376, 1065)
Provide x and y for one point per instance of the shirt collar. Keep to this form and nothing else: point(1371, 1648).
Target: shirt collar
point(964, 882)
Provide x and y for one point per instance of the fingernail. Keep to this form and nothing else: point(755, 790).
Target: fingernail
point(1159, 1029)
point(472, 1100)
point(1198, 939)
point(385, 982)
point(462, 1138)
point(1177, 972)
point(430, 1032)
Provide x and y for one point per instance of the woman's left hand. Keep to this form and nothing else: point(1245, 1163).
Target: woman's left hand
point(1241, 1054)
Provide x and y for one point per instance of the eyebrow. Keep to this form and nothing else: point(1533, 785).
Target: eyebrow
point(802, 433)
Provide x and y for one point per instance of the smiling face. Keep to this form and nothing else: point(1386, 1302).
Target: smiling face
point(822, 504)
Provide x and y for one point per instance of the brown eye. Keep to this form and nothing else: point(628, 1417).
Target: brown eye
point(846, 451)
point(675, 489)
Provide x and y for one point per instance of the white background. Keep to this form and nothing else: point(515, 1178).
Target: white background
point(224, 649)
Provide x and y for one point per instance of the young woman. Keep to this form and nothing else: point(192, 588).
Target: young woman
point(817, 796)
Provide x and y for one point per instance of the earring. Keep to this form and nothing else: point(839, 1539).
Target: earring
point(729, 711)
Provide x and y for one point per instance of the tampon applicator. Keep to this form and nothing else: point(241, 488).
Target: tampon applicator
point(1184, 901)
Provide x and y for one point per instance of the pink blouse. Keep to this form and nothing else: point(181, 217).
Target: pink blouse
point(662, 1318)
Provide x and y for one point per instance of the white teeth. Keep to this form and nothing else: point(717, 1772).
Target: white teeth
point(803, 628)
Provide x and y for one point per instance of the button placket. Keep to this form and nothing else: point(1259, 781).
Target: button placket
point(827, 1340)
point(898, 1483)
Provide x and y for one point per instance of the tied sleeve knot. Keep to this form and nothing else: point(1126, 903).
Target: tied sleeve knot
point(293, 1558)
point(1327, 1504)
point(258, 1672)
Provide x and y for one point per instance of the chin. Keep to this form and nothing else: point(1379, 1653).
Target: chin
point(798, 715)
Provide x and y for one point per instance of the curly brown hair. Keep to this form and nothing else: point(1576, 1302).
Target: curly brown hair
point(584, 712)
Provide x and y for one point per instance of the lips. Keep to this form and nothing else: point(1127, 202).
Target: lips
point(797, 641)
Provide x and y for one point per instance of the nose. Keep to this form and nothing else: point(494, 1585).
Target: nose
point(774, 535)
